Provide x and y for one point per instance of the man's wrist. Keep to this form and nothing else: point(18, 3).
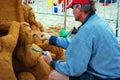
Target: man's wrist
point(52, 64)
point(52, 40)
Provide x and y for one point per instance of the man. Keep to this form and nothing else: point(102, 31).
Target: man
point(94, 52)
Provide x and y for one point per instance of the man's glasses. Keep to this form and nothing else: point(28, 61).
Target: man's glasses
point(74, 6)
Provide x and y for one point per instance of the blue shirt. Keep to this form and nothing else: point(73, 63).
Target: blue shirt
point(94, 49)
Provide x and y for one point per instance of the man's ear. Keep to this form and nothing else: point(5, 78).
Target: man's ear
point(79, 7)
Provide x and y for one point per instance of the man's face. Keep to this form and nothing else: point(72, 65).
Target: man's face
point(76, 11)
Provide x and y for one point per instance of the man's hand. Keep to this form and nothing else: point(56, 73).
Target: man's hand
point(54, 75)
point(44, 36)
point(47, 58)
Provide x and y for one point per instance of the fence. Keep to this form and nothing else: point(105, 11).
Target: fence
point(107, 11)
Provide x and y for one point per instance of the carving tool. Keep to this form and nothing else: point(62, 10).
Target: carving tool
point(43, 52)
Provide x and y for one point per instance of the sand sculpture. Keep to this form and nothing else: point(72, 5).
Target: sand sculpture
point(7, 45)
point(38, 27)
point(17, 36)
point(31, 60)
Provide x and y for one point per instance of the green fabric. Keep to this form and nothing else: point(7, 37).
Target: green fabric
point(63, 33)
